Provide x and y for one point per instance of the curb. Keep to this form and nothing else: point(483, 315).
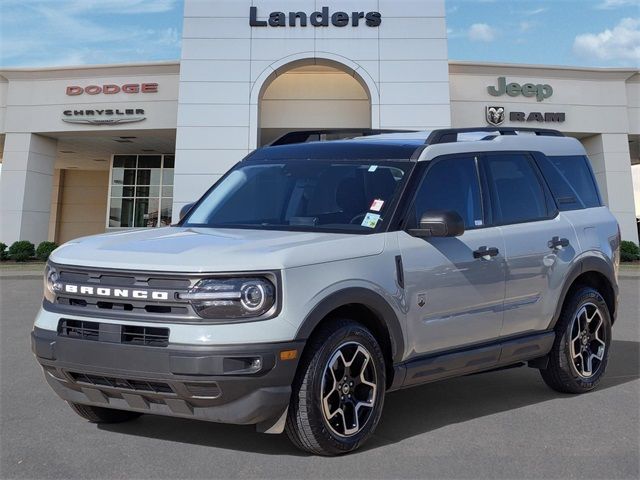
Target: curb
point(27, 276)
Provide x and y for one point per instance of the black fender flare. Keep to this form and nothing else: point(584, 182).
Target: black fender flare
point(584, 265)
point(363, 296)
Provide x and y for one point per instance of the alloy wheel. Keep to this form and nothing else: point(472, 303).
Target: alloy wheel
point(588, 340)
point(349, 386)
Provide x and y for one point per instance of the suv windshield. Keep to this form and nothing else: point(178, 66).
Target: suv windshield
point(317, 195)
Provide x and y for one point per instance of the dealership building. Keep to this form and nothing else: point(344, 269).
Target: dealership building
point(91, 149)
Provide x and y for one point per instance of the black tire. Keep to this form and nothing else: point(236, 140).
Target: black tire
point(563, 374)
point(103, 415)
point(307, 425)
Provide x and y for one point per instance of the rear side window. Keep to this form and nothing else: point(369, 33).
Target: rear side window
point(516, 191)
point(571, 181)
point(450, 184)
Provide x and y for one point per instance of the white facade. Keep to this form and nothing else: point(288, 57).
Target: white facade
point(238, 86)
point(227, 65)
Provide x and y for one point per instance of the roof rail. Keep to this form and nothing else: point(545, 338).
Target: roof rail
point(302, 136)
point(450, 135)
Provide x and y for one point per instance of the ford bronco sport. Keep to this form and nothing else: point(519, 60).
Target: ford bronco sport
point(322, 272)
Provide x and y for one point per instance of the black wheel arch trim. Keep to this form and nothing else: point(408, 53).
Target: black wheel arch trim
point(585, 265)
point(362, 296)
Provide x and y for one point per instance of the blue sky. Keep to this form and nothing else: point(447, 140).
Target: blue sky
point(561, 32)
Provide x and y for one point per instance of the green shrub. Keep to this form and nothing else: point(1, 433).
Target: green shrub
point(44, 250)
point(22, 250)
point(629, 251)
point(3, 251)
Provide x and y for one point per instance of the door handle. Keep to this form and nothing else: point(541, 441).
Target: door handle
point(557, 242)
point(485, 252)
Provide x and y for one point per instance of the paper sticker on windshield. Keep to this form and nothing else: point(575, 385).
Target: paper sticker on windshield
point(373, 168)
point(376, 206)
point(370, 220)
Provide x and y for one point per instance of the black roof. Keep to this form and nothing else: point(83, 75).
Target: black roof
point(372, 144)
point(340, 150)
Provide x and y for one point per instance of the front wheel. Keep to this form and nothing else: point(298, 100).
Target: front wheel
point(338, 392)
point(580, 351)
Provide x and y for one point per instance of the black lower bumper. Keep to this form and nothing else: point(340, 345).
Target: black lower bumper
point(241, 384)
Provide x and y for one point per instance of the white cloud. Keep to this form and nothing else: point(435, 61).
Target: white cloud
point(76, 32)
point(481, 32)
point(610, 4)
point(122, 7)
point(622, 43)
point(168, 37)
point(535, 11)
point(525, 26)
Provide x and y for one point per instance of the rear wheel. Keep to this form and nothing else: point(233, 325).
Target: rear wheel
point(103, 415)
point(338, 392)
point(580, 351)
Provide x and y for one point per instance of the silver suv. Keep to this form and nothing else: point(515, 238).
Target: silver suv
point(329, 268)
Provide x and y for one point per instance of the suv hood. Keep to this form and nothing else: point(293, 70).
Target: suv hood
point(214, 250)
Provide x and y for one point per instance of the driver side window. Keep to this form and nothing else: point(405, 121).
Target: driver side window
point(450, 184)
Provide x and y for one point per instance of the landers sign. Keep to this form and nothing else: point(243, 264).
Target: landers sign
point(321, 18)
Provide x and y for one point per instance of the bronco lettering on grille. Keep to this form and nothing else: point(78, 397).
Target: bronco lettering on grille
point(115, 292)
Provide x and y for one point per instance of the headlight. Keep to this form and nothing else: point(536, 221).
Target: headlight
point(229, 298)
point(52, 285)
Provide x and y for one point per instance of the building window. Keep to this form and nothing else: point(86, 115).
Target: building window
point(141, 191)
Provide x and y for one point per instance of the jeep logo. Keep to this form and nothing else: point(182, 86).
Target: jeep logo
point(115, 292)
point(514, 89)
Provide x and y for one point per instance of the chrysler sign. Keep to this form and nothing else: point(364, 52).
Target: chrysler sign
point(104, 116)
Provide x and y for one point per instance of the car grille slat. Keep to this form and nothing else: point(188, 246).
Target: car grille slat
point(171, 309)
point(121, 383)
point(79, 329)
point(129, 334)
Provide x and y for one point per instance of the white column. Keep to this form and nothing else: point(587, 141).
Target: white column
point(213, 101)
point(25, 187)
point(611, 162)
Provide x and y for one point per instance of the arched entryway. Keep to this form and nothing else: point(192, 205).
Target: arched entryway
point(312, 94)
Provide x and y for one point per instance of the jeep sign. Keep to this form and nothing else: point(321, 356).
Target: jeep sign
point(513, 89)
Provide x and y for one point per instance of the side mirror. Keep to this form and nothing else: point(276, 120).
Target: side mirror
point(184, 210)
point(439, 223)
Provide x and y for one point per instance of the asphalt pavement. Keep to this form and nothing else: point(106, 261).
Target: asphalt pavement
point(505, 424)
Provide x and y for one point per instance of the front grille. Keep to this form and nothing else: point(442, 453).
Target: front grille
point(151, 280)
point(113, 333)
point(121, 383)
point(148, 336)
point(146, 309)
point(79, 329)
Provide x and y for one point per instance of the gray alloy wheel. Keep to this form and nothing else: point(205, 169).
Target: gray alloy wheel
point(587, 344)
point(349, 387)
point(338, 393)
point(578, 359)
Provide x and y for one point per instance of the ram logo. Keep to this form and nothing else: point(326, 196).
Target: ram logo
point(495, 115)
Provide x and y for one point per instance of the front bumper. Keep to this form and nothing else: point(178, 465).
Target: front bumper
point(206, 383)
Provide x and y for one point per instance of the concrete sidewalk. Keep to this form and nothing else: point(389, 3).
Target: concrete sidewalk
point(21, 270)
